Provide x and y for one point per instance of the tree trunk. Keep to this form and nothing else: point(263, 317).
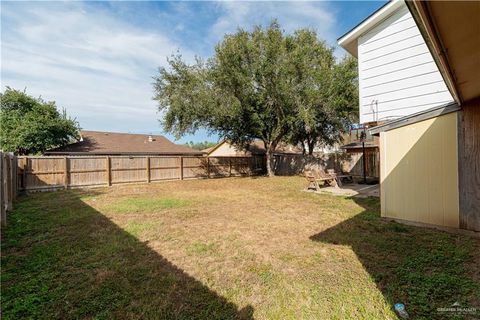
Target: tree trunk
point(270, 164)
point(311, 146)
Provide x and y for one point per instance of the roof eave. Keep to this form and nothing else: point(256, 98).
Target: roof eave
point(215, 147)
point(421, 15)
point(359, 147)
point(416, 117)
point(349, 41)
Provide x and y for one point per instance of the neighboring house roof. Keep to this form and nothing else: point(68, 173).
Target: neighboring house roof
point(255, 148)
point(210, 149)
point(113, 143)
point(349, 40)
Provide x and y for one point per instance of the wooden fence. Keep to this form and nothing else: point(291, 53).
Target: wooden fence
point(51, 172)
point(291, 164)
point(354, 163)
point(8, 185)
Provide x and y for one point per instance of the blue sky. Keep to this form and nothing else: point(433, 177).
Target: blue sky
point(97, 59)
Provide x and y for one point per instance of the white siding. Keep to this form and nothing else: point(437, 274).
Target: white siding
point(397, 74)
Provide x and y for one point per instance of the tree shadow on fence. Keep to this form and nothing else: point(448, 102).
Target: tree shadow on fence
point(219, 167)
point(423, 268)
point(62, 258)
point(294, 164)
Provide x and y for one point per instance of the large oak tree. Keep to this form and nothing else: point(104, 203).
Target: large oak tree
point(262, 85)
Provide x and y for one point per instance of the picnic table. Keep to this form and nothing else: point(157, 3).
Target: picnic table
point(339, 176)
point(333, 179)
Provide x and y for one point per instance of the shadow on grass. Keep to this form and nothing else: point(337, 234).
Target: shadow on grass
point(424, 269)
point(63, 259)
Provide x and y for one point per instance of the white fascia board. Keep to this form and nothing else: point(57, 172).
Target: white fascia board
point(349, 40)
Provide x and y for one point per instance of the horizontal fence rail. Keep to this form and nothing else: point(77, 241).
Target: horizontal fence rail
point(51, 172)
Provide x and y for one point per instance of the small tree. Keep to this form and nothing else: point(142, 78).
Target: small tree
point(30, 125)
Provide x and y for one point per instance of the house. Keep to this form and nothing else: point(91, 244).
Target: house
point(397, 73)
point(114, 143)
point(419, 88)
point(256, 148)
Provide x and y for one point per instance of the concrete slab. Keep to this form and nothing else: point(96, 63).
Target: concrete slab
point(353, 190)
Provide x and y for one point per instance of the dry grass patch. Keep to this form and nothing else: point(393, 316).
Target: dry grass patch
point(225, 249)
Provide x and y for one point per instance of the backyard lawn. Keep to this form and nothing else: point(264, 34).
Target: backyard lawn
point(225, 249)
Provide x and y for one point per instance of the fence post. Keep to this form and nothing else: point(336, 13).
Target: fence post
point(14, 176)
point(148, 169)
point(3, 214)
point(66, 168)
point(336, 166)
point(25, 168)
point(208, 167)
point(12, 180)
point(181, 168)
point(9, 180)
point(229, 167)
point(107, 162)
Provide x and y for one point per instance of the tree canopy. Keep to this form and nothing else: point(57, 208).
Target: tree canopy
point(327, 99)
point(261, 84)
point(30, 125)
point(200, 145)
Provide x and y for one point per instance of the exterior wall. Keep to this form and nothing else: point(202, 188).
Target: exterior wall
point(397, 74)
point(469, 165)
point(419, 172)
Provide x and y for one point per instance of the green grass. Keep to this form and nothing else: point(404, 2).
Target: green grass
point(200, 248)
point(135, 205)
point(226, 249)
point(139, 228)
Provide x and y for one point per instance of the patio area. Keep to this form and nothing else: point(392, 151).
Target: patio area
point(353, 190)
